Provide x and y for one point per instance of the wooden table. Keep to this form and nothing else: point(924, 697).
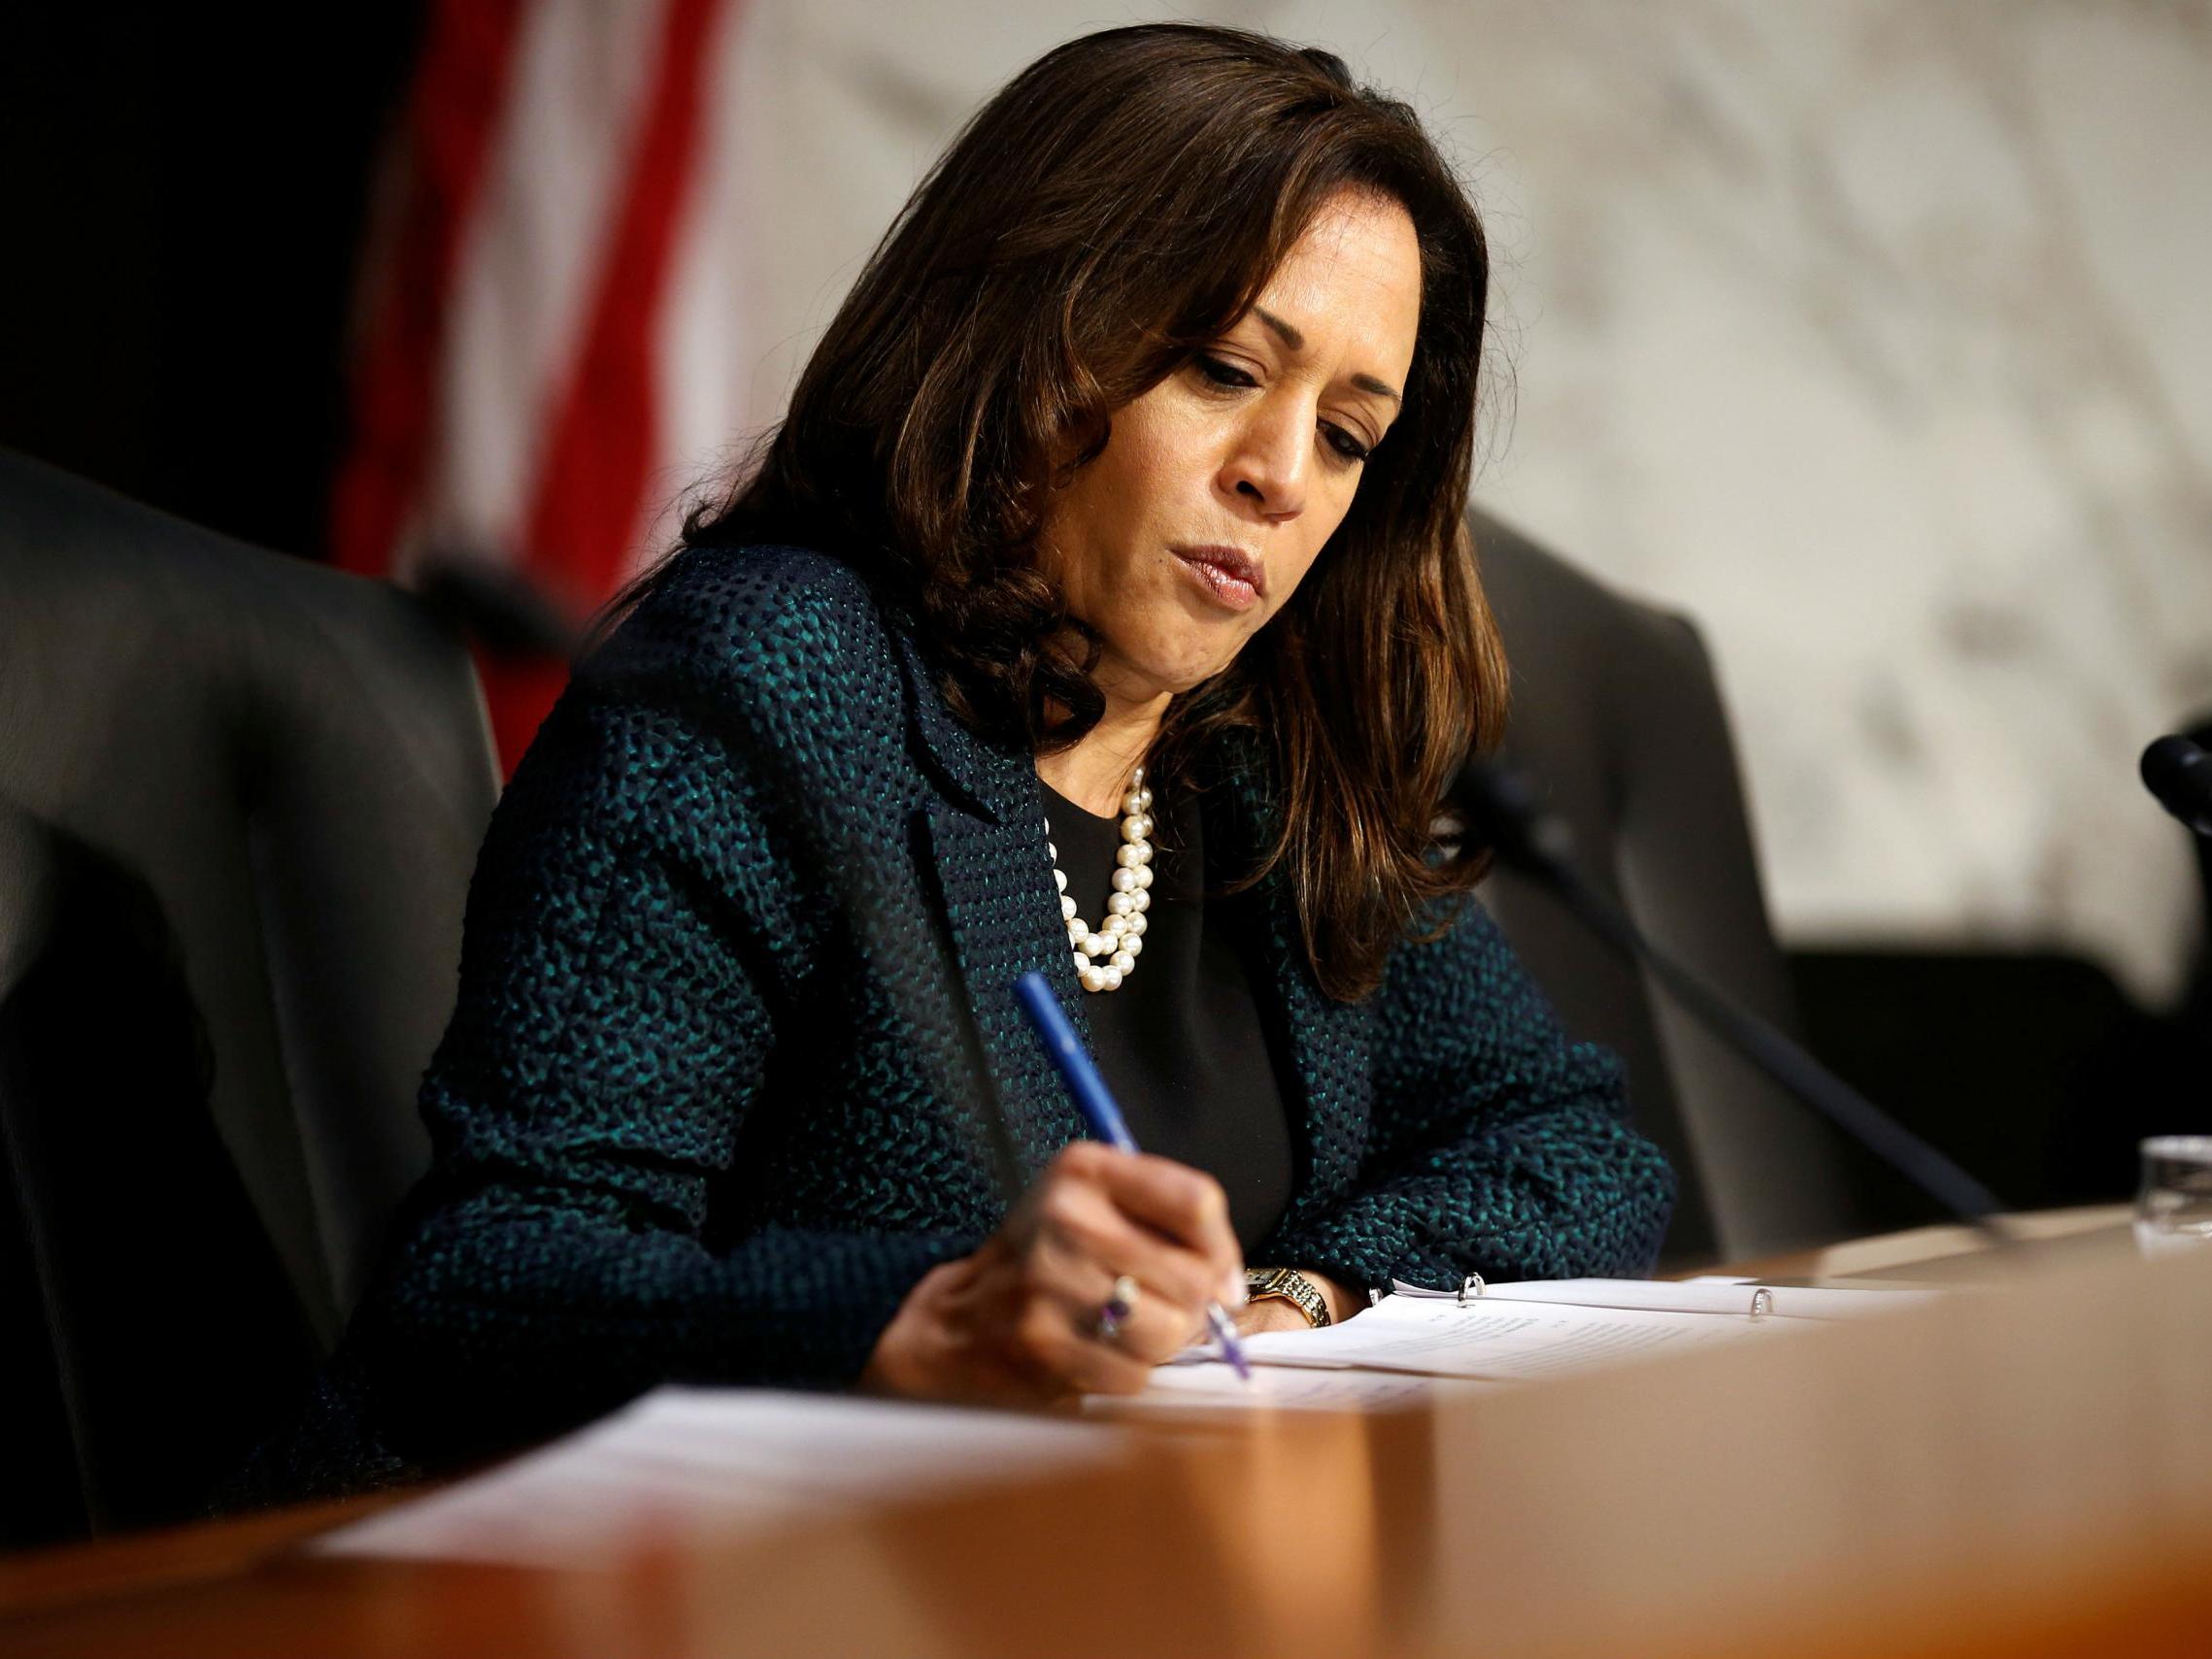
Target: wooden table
point(2026, 1472)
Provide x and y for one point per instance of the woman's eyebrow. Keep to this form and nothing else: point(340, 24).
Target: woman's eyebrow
point(1290, 336)
point(1296, 342)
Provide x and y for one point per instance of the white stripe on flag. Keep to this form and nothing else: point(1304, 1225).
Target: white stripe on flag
point(705, 344)
point(529, 262)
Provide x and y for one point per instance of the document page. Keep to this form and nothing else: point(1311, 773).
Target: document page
point(1211, 1384)
point(1500, 1340)
point(695, 1458)
point(1705, 1295)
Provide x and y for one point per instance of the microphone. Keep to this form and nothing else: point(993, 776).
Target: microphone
point(2179, 773)
point(1499, 808)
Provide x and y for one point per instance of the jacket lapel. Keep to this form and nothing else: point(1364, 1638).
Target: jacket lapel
point(1329, 1093)
point(984, 832)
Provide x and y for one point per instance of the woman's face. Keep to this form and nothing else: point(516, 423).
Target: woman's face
point(1220, 486)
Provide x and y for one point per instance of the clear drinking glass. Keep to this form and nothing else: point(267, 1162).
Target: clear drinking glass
point(2173, 1209)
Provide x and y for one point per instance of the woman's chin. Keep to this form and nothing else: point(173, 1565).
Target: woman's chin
point(1195, 655)
point(1189, 673)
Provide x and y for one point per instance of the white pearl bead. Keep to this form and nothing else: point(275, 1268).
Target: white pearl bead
point(1051, 851)
point(1119, 938)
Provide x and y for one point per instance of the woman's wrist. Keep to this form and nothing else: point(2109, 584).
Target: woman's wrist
point(1339, 1303)
point(1342, 1303)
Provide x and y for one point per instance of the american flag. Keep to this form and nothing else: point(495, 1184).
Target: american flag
point(549, 336)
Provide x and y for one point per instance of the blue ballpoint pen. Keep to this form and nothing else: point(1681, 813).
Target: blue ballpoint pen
point(1096, 1104)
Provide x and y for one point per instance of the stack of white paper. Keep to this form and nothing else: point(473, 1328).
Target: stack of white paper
point(1200, 1382)
point(687, 1460)
point(1497, 1340)
point(1519, 1333)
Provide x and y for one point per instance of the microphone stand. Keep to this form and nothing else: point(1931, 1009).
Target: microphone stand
point(1501, 809)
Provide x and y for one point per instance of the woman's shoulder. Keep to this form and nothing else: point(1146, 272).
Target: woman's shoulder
point(777, 593)
point(742, 677)
point(772, 620)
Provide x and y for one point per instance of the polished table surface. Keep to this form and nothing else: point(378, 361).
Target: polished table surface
point(2022, 1470)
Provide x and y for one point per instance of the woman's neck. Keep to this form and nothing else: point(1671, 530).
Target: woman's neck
point(1094, 774)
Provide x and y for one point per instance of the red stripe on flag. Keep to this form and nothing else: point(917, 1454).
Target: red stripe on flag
point(600, 449)
point(461, 88)
point(601, 445)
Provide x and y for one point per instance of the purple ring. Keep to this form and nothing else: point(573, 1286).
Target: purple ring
point(1113, 1312)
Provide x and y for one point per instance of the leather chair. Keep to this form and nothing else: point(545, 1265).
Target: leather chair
point(1617, 721)
point(239, 799)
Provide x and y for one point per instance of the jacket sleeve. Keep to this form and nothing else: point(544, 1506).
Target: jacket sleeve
point(636, 920)
point(1497, 1146)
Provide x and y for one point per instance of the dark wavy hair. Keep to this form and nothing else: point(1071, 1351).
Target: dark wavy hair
point(1112, 210)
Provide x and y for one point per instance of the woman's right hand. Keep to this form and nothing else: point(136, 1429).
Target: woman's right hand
point(1017, 1319)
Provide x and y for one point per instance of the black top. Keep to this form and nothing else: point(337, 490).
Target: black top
point(1181, 1042)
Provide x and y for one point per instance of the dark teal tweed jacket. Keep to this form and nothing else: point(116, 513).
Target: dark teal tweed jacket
point(736, 1058)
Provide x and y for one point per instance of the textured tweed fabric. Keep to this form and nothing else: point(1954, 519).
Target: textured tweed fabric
point(736, 1057)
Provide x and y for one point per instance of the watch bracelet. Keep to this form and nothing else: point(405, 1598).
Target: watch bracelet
point(1289, 1285)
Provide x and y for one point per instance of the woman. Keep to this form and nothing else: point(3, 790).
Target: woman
point(1123, 495)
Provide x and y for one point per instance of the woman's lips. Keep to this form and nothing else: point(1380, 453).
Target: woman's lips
point(1228, 576)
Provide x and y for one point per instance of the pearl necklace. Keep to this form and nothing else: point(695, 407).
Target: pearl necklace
point(1107, 956)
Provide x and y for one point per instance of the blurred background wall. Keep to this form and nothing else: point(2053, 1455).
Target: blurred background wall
point(1871, 333)
point(1874, 334)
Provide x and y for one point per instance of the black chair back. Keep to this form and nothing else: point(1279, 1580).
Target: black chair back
point(1618, 719)
point(241, 796)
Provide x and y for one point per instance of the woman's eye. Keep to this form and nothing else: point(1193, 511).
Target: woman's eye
point(1344, 443)
point(1348, 450)
point(1224, 373)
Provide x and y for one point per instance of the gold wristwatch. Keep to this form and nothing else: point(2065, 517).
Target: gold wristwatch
point(1292, 1286)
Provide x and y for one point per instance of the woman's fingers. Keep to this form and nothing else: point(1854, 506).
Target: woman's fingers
point(1050, 1337)
point(1186, 1205)
point(1080, 1220)
point(1158, 1323)
point(1098, 1222)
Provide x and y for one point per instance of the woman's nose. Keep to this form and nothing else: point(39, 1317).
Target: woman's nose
point(1269, 464)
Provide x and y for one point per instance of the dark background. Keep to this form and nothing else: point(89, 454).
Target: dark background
point(187, 193)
